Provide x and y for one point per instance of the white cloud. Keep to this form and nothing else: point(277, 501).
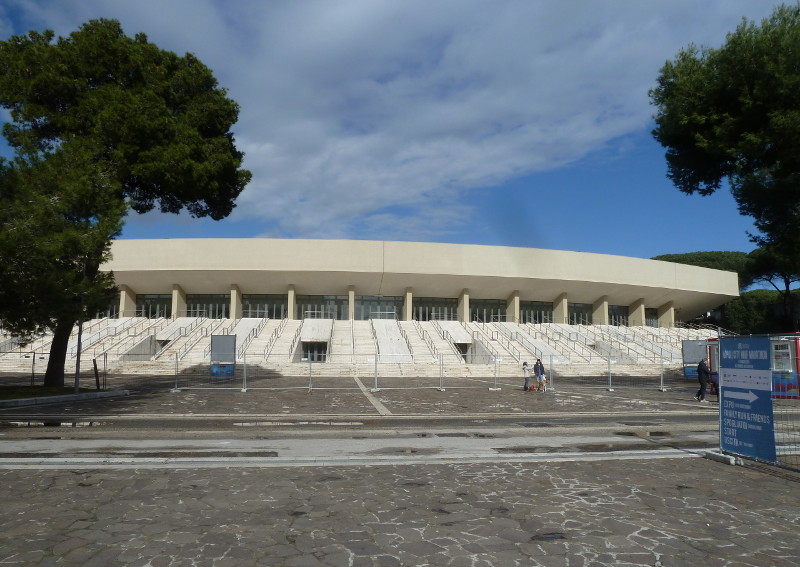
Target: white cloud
point(366, 116)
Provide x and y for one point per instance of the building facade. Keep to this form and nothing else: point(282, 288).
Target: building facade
point(355, 279)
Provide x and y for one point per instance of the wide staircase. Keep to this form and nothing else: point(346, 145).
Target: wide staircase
point(254, 353)
point(341, 348)
point(283, 348)
point(419, 348)
point(365, 346)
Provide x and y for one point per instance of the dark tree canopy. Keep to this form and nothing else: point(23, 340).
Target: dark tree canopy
point(100, 123)
point(778, 266)
point(738, 262)
point(732, 115)
point(159, 121)
point(52, 244)
point(756, 311)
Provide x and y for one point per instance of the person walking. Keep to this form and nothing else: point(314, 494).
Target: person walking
point(703, 375)
point(526, 373)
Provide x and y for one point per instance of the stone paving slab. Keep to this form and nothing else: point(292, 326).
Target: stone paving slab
point(358, 399)
point(49, 400)
point(644, 512)
point(654, 512)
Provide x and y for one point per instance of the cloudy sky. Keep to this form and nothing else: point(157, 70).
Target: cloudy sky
point(502, 122)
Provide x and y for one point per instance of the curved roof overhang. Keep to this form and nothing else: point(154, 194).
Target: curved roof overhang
point(381, 268)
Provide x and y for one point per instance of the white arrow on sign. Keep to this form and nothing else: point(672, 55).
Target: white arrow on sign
point(748, 395)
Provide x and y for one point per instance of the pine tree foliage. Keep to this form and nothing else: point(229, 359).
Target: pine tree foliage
point(100, 124)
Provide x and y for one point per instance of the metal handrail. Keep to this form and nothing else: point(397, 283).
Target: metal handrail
point(563, 347)
point(375, 339)
point(273, 338)
point(90, 338)
point(523, 340)
point(185, 330)
point(180, 332)
point(427, 338)
point(294, 342)
point(204, 332)
point(513, 351)
point(447, 337)
point(405, 336)
point(352, 341)
point(254, 332)
point(492, 351)
point(131, 332)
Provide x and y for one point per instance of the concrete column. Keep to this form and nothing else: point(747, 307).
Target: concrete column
point(600, 311)
point(561, 309)
point(291, 302)
point(636, 317)
point(178, 301)
point(236, 302)
point(666, 315)
point(351, 303)
point(408, 305)
point(512, 307)
point(463, 306)
point(127, 302)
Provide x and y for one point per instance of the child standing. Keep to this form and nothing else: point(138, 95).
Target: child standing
point(541, 379)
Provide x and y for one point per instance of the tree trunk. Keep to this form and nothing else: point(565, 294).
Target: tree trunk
point(58, 355)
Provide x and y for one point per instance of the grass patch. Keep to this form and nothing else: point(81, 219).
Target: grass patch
point(17, 392)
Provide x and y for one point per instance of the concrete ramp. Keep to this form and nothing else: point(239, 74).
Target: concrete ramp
point(390, 339)
point(457, 331)
point(316, 330)
point(245, 326)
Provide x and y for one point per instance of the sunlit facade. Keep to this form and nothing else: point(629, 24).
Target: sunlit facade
point(359, 280)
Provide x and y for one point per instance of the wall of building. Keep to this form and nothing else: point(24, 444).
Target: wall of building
point(239, 267)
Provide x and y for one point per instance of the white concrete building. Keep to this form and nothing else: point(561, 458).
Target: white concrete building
point(358, 280)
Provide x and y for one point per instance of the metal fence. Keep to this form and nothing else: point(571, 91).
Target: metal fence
point(786, 413)
point(375, 370)
point(760, 398)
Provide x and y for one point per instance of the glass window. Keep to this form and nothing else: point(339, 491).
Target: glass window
point(580, 314)
point(375, 307)
point(110, 312)
point(314, 352)
point(536, 311)
point(322, 307)
point(651, 317)
point(153, 306)
point(618, 314)
point(487, 310)
point(435, 308)
point(213, 306)
point(272, 306)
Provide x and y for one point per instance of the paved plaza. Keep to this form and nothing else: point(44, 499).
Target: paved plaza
point(591, 509)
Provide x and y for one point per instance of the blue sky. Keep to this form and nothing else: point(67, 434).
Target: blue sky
point(500, 122)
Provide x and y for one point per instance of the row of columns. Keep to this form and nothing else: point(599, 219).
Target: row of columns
point(636, 310)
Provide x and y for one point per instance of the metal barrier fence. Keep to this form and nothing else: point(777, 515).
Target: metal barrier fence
point(358, 372)
point(744, 396)
point(375, 371)
point(786, 414)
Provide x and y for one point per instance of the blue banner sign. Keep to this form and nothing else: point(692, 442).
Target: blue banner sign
point(222, 370)
point(746, 424)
